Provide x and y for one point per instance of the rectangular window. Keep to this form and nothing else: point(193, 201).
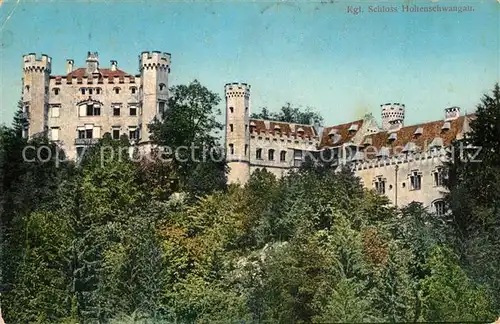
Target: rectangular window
point(246, 149)
point(116, 133)
point(297, 158)
point(231, 128)
point(90, 110)
point(81, 134)
point(88, 133)
point(79, 152)
point(258, 154)
point(83, 91)
point(116, 111)
point(380, 186)
point(133, 111)
point(132, 134)
point(54, 133)
point(97, 110)
point(438, 177)
point(270, 155)
point(231, 148)
point(161, 108)
point(416, 181)
point(90, 91)
point(54, 112)
point(283, 156)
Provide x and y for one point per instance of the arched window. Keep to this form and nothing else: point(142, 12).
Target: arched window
point(56, 91)
point(283, 156)
point(162, 86)
point(439, 207)
point(117, 90)
point(133, 90)
point(270, 155)
point(27, 88)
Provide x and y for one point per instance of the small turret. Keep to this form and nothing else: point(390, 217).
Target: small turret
point(114, 65)
point(92, 63)
point(451, 113)
point(69, 66)
point(392, 112)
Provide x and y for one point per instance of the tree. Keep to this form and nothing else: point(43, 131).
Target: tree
point(188, 133)
point(290, 114)
point(448, 289)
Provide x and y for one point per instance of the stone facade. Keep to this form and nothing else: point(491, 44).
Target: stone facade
point(406, 163)
point(76, 109)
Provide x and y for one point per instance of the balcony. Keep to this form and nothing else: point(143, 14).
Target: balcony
point(86, 141)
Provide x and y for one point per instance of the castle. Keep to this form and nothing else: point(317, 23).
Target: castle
point(405, 163)
point(77, 108)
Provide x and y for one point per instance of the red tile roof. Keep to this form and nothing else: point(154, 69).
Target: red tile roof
point(81, 72)
point(430, 131)
point(341, 130)
point(287, 129)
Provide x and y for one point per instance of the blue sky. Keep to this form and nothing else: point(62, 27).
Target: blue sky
point(310, 54)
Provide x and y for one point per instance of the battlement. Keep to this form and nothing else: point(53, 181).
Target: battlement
point(92, 56)
point(154, 60)
point(37, 64)
point(393, 106)
point(237, 89)
point(439, 155)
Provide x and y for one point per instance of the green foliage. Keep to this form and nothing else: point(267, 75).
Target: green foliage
point(448, 289)
point(164, 241)
point(188, 133)
point(290, 114)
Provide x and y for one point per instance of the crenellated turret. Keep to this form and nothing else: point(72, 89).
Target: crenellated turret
point(154, 67)
point(36, 92)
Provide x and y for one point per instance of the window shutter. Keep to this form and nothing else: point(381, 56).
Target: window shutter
point(55, 111)
point(97, 132)
point(54, 134)
point(82, 110)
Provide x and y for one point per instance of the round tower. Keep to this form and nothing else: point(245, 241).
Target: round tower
point(392, 112)
point(36, 77)
point(237, 131)
point(154, 67)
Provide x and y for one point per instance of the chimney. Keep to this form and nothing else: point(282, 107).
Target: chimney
point(69, 66)
point(451, 113)
point(114, 65)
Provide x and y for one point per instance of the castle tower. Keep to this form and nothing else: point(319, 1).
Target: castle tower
point(392, 112)
point(36, 92)
point(154, 67)
point(237, 132)
point(92, 63)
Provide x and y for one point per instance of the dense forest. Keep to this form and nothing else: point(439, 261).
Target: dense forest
point(164, 240)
